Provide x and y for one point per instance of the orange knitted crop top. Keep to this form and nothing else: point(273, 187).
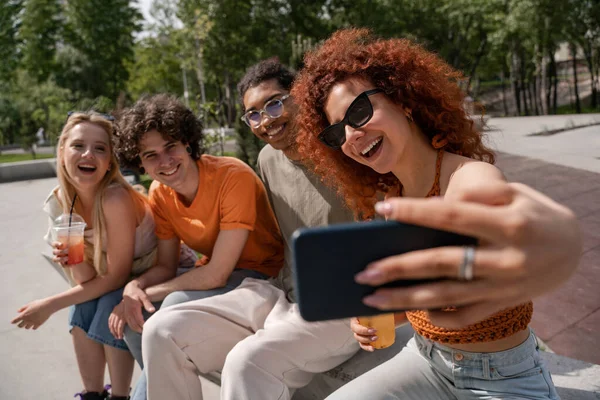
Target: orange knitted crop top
point(500, 325)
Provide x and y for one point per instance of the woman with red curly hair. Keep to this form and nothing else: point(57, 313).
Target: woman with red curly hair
point(386, 118)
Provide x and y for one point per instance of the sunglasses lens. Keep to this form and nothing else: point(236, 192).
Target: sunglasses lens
point(360, 112)
point(333, 136)
point(274, 108)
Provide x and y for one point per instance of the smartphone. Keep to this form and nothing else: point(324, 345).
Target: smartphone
point(326, 259)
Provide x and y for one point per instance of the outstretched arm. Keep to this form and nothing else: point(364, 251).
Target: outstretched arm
point(120, 221)
point(529, 245)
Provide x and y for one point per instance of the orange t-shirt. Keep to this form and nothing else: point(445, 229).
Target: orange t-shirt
point(230, 196)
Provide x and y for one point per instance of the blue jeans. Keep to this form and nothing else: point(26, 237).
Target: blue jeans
point(134, 339)
point(425, 370)
point(92, 318)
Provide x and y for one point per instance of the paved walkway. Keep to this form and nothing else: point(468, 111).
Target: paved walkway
point(566, 167)
point(568, 320)
point(577, 148)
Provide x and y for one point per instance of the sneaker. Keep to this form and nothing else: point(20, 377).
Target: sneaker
point(94, 395)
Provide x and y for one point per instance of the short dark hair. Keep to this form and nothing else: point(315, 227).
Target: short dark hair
point(162, 112)
point(268, 69)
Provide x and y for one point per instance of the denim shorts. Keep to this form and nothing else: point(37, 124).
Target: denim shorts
point(92, 318)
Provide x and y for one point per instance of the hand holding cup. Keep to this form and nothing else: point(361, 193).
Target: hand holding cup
point(69, 245)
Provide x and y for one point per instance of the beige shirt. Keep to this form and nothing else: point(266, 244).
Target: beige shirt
point(299, 199)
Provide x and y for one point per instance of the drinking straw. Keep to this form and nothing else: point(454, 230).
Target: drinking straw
point(71, 211)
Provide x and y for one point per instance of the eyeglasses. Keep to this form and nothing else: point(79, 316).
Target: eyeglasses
point(358, 113)
point(273, 108)
point(107, 117)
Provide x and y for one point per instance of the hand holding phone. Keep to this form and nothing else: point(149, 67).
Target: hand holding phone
point(326, 260)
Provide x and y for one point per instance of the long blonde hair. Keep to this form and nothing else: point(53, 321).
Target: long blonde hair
point(66, 194)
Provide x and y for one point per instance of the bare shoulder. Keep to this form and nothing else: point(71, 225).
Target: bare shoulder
point(118, 202)
point(468, 173)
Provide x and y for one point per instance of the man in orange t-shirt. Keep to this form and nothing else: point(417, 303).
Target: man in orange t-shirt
point(234, 199)
point(216, 205)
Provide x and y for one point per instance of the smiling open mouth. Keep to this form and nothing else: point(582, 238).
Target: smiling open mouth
point(372, 148)
point(272, 132)
point(86, 168)
point(171, 171)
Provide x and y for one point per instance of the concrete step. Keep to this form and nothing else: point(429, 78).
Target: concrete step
point(574, 379)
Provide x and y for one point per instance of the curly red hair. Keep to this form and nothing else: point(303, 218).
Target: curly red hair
point(409, 75)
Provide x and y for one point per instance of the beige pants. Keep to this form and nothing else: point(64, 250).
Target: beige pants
point(253, 334)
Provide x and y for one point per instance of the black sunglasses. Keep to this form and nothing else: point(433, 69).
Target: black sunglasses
point(107, 117)
point(357, 114)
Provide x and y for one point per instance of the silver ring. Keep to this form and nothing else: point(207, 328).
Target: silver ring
point(465, 272)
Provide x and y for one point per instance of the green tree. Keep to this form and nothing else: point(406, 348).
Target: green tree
point(38, 105)
point(102, 31)
point(582, 29)
point(9, 26)
point(10, 119)
point(39, 33)
point(155, 68)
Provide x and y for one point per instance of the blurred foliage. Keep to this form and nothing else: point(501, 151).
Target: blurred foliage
point(7, 158)
point(81, 54)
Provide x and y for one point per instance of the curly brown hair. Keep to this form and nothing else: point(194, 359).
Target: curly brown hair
point(265, 70)
point(162, 112)
point(410, 76)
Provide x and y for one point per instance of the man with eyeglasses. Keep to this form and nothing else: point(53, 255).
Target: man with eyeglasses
point(270, 350)
point(297, 196)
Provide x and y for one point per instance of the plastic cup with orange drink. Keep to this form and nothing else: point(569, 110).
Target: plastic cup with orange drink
point(385, 326)
point(69, 229)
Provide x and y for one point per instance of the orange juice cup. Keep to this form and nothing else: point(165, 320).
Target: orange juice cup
point(385, 326)
point(74, 243)
point(69, 231)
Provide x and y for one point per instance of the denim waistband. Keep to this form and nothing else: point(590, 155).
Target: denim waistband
point(507, 357)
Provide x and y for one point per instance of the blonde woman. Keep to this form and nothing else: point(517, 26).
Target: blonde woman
point(119, 242)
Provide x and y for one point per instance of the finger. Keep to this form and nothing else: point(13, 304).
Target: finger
point(521, 189)
point(357, 328)
point(22, 309)
point(366, 347)
point(493, 194)
point(60, 260)
point(113, 329)
point(120, 328)
point(472, 219)
point(364, 339)
point(111, 324)
point(59, 252)
point(22, 324)
point(432, 296)
point(147, 304)
point(441, 262)
point(470, 314)
point(18, 318)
